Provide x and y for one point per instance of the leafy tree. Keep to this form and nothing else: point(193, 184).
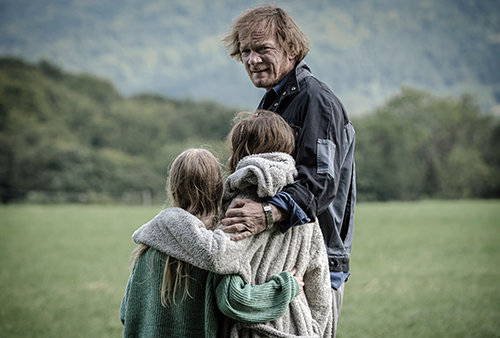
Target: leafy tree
point(418, 145)
point(76, 134)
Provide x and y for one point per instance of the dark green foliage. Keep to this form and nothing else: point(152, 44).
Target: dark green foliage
point(75, 133)
point(421, 146)
point(492, 159)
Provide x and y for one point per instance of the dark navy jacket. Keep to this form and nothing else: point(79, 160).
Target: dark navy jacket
point(326, 185)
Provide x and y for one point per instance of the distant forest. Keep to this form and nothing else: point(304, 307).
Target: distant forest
point(68, 137)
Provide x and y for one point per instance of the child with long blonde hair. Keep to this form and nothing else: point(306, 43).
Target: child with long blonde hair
point(195, 185)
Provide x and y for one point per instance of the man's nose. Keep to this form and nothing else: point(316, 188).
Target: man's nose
point(254, 58)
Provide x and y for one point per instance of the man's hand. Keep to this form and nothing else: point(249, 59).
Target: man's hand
point(247, 217)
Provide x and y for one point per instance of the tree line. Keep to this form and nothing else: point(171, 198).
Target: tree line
point(74, 138)
point(418, 145)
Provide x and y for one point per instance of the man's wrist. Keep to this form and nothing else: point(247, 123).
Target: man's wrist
point(279, 215)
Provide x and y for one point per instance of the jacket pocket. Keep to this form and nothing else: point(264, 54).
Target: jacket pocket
point(326, 155)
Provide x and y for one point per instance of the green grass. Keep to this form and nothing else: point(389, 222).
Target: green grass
point(424, 269)
point(63, 269)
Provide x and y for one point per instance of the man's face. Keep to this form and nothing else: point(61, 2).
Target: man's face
point(266, 62)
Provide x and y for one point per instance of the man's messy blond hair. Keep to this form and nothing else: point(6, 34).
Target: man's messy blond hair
point(270, 20)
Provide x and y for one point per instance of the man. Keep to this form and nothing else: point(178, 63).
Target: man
point(272, 48)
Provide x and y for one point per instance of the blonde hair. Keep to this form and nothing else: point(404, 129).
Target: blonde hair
point(195, 185)
point(256, 133)
point(270, 20)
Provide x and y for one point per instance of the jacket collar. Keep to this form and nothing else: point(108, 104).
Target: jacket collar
point(290, 87)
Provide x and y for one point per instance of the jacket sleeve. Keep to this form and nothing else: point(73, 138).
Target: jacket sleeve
point(320, 148)
point(255, 303)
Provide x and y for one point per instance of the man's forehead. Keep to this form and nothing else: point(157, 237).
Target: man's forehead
point(256, 37)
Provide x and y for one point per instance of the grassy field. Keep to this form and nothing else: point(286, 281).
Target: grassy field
point(423, 269)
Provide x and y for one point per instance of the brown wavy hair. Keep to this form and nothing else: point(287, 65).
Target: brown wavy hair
point(256, 133)
point(195, 185)
point(270, 20)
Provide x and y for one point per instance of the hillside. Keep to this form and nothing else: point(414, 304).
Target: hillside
point(76, 136)
point(68, 137)
point(365, 50)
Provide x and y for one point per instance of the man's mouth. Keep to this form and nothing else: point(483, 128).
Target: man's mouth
point(257, 71)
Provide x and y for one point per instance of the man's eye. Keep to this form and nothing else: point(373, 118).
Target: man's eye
point(245, 51)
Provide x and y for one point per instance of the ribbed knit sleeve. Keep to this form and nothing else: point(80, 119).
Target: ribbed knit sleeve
point(142, 313)
point(256, 303)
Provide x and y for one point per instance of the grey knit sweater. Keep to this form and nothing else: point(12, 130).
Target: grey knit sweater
point(181, 235)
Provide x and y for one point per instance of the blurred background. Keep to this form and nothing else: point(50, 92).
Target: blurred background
point(97, 97)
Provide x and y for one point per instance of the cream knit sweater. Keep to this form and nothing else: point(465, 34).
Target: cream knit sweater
point(181, 235)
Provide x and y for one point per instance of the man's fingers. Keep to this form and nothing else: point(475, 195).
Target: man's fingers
point(234, 228)
point(241, 236)
point(293, 271)
point(233, 220)
point(246, 217)
point(244, 208)
point(234, 212)
point(238, 203)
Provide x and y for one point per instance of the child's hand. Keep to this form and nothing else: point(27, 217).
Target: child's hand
point(298, 278)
